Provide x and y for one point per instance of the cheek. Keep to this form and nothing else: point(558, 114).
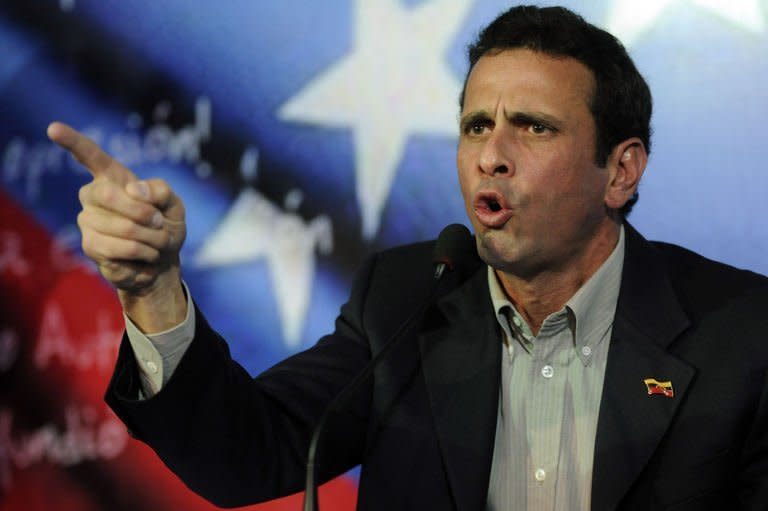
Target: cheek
point(464, 173)
point(579, 199)
point(573, 176)
point(593, 187)
point(466, 195)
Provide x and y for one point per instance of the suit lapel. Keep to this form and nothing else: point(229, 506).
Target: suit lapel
point(462, 370)
point(631, 422)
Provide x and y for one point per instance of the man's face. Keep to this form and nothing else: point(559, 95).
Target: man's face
point(526, 162)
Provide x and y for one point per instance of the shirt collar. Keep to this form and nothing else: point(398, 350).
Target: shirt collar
point(590, 310)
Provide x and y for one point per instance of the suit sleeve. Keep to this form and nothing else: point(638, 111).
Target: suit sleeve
point(238, 440)
point(753, 483)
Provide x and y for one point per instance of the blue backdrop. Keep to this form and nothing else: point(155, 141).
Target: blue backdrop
point(303, 135)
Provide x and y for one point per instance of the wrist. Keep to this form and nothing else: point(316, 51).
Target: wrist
point(158, 307)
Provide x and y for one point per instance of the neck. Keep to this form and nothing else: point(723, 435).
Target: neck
point(537, 296)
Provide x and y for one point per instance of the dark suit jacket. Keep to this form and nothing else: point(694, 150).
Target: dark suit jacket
point(424, 430)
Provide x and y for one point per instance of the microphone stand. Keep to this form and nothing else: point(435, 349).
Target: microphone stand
point(310, 494)
point(447, 248)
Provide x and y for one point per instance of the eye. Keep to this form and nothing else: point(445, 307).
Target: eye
point(476, 125)
point(477, 128)
point(533, 124)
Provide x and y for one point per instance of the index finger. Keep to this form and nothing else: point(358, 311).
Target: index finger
point(89, 154)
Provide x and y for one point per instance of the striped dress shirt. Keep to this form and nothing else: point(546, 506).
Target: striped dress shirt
point(550, 396)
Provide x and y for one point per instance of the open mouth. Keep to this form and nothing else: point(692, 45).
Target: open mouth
point(492, 209)
point(490, 201)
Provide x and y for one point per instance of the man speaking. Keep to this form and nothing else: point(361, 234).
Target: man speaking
point(573, 365)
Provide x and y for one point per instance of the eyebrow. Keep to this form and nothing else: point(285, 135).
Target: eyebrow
point(533, 118)
point(472, 118)
point(513, 117)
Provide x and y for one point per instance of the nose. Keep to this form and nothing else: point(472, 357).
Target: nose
point(496, 155)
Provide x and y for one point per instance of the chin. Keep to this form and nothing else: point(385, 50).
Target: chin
point(496, 248)
point(507, 254)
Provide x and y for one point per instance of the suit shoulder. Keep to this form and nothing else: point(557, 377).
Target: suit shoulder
point(402, 267)
point(698, 276)
point(419, 253)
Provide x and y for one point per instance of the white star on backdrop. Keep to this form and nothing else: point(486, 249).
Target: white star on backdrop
point(395, 83)
point(628, 19)
point(255, 229)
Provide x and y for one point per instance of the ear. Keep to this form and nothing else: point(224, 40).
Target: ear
point(626, 165)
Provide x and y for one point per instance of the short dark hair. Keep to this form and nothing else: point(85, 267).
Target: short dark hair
point(621, 104)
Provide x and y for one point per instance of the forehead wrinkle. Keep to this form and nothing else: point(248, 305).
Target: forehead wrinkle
point(527, 80)
point(511, 102)
point(555, 91)
point(478, 105)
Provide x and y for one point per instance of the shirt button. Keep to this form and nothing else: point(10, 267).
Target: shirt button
point(547, 372)
point(151, 366)
point(516, 321)
point(586, 351)
point(540, 475)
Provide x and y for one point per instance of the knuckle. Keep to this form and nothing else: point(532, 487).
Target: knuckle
point(106, 251)
point(178, 238)
point(162, 189)
point(109, 269)
point(133, 250)
point(165, 239)
point(145, 214)
point(128, 229)
point(115, 272)
point(106, 194)
point(89, 247)
point(83, 193)
point(139, 213)
point(82, 220)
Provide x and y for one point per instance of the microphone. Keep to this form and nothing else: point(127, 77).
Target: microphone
point(454, 251)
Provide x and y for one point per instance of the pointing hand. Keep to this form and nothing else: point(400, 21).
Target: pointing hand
point(132, 229)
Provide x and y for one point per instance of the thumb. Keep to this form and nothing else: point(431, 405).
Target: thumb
point(158, 193)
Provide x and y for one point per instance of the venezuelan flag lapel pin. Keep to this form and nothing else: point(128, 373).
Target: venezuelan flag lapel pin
point(663, 388)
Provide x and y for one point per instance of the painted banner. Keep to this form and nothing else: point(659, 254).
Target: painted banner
point(302, 136)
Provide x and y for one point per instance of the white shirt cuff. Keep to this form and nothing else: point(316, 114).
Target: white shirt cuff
point(159, 354)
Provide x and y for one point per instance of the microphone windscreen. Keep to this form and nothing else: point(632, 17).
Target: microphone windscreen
point(455, 248)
